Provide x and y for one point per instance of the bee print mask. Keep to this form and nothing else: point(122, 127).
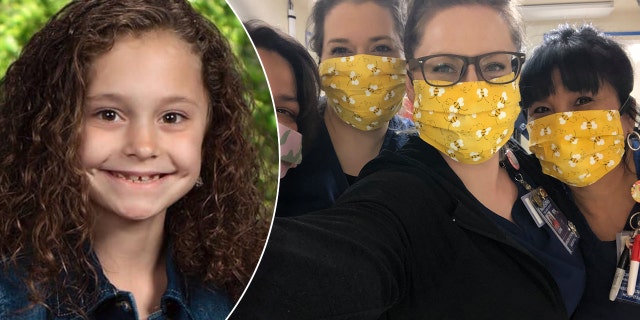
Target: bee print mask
point(468, 121)
point(364, 90)
point(580, 147)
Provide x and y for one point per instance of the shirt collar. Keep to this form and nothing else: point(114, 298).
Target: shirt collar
point(174, 296)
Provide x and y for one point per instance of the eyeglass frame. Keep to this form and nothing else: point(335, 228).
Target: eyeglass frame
point(416, 63)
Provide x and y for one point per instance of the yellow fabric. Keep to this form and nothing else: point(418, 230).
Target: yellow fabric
point(578, 148)
point(364, 90)
point(468, 121)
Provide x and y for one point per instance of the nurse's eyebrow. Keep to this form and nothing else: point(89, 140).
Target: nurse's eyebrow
point(372, 39)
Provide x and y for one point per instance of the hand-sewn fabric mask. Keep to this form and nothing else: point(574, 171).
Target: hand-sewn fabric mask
point(290, 149)
point(580, 147)
point(468, 121)
point(364, 90)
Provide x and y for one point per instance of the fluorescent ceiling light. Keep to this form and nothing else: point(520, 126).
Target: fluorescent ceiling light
point(565, 11)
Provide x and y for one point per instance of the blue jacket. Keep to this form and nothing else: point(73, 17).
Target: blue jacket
point(600, 259)
point(184, 299)
point(318, 181)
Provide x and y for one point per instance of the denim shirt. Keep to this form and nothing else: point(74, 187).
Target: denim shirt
point(184, 299)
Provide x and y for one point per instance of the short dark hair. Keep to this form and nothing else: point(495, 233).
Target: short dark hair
point(305, 72)
point(585, 59)
point(322, 7)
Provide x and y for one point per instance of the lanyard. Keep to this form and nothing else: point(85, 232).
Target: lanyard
point(540, 206)
point(512, 165)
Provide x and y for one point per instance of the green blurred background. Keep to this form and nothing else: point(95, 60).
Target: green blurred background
point(19, 19)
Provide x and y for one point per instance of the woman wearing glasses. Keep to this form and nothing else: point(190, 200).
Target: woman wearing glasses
point(437, 230)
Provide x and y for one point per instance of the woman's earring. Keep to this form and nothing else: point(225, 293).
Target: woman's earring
point(199, 182)
point(633, 140)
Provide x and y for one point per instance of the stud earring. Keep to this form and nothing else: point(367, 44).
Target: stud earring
point(199, 182)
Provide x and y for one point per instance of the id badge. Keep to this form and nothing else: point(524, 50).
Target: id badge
point(621, 239)
point(544, 210)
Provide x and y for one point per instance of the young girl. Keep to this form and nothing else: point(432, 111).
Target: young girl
point(127, 174)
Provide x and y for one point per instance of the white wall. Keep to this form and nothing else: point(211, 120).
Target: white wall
point(624, 18)
point(274, 12)
point(616, 22)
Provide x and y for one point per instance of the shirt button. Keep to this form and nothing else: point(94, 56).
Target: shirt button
point(124, 305)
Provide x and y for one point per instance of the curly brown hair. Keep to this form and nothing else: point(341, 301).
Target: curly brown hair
point(217, 230)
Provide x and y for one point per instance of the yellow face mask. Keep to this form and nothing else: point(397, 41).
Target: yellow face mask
point(364, 90)
point(468, 121)
point(578, 148)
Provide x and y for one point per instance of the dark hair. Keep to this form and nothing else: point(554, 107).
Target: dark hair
point(45, 217)
point(585, 59)
point(322, 7)
point(421, 11)
point(305, 72)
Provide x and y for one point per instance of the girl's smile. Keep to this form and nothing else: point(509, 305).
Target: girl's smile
point(144, 123)
point(137, 177)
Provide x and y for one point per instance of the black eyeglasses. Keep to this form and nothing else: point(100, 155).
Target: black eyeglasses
point(443, 70)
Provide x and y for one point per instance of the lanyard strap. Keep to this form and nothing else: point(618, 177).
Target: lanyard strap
point(510, 164)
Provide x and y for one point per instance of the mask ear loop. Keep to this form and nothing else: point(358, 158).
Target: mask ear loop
point(633, 138)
